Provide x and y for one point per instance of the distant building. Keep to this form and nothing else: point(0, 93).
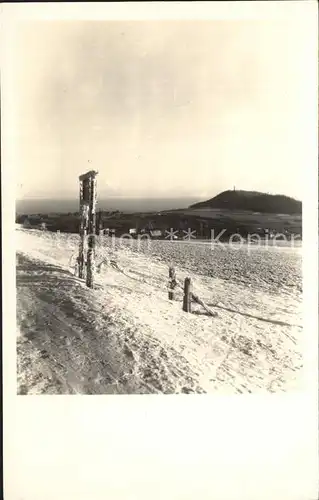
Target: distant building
point(156, 233)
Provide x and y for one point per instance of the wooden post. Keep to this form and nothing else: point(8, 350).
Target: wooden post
point(172, 282)
point(187, 295)
point(91, 240)
point(87, 225)
point(82, 234)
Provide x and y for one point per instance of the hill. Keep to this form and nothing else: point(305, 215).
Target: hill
point(253, 201)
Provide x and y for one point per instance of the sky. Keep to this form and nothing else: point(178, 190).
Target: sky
point(159, 108)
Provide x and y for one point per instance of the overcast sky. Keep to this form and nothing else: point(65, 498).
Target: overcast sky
point(160, 108)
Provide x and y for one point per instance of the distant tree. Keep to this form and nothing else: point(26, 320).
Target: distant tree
point(26, 223)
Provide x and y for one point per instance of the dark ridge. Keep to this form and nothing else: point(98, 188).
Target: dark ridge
point(253, 201)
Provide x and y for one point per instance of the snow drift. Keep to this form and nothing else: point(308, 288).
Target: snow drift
point(126, 337)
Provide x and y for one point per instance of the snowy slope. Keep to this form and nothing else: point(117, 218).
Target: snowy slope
point(126, 337)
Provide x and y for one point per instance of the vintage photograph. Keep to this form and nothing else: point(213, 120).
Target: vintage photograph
point(159, 206)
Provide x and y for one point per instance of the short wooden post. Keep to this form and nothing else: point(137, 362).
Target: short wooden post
point(187, 295)
point(172, 283)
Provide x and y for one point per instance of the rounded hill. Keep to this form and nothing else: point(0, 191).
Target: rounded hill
point(252, 201)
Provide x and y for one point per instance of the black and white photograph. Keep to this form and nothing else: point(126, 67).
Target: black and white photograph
point(159, 206)
point(160, 250)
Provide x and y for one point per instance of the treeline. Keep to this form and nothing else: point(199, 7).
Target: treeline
point(119, 223)
point(68, 223)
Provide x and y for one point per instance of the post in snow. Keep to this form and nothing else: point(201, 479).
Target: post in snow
point(87, 226)
point(187, 301)
point(171, 283)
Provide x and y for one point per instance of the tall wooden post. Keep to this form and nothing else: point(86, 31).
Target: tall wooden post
point(92, 235)
point(81, 258)
point(87, 226)
point(187, 295)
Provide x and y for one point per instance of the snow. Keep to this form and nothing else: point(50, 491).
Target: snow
point(125, 336)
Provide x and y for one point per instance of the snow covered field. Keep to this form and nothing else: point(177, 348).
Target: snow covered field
point(126, 337)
